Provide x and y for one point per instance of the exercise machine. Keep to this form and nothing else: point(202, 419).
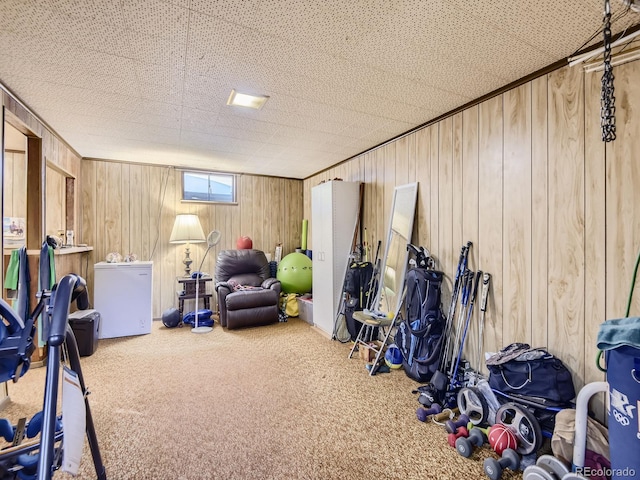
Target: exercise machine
point(39, 459)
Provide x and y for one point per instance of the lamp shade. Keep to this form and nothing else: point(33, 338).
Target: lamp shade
point(187, 229)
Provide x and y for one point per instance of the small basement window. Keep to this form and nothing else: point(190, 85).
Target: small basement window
point(208, 187)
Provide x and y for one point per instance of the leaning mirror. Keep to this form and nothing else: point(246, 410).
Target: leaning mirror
point(394, 266)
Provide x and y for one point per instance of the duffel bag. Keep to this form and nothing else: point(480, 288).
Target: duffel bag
point(534, 372)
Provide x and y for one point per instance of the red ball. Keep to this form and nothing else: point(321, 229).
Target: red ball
point(244, 243)
point(501, 438)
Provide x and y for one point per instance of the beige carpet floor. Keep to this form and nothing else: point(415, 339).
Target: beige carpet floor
point(274, 402)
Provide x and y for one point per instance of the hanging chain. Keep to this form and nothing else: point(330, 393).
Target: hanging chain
point(607, 97)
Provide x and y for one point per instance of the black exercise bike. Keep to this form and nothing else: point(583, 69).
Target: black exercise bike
point(39, 459)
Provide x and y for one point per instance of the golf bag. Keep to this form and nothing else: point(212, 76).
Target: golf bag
point(356, 286)
point(420, 335)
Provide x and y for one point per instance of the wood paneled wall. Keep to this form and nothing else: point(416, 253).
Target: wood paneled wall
point(55, 150)
point(130, 208)
point(15, 184)
point(551, 210)
point(55, 210)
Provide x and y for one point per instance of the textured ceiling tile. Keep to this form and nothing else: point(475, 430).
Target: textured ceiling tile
point(157, 18)
point(411, 93)
point(156, 50)
point(197, 139)
point(229, 145)
point(179, 3)
point(198, 120)
point(324, 120)
point(229, 119)
point(313, 25)
point(82, 84)
point(210, 84)
point(160, 84)
point(270, 150)
point(151, 133)
point(205, 99)
point(35, 57)
point(15, 14)
point(102, 10)
point(245, 13)
point(211, 36)
point(148, 81)
point(86, 33)
point(538, 25)
point(299, 118)
point(159, 108)
point(161, 121)
point(257, 138)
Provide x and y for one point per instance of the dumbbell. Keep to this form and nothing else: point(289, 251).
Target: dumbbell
point(484, 430)
point(451, 426)
point(493, 468)
point(547, 467)
point(423, 414)
point(460, 433)
point(477, 437)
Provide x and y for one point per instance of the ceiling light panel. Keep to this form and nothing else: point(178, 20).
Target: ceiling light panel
point(239, 99)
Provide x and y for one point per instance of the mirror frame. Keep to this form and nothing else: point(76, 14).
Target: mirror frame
point(410, 189)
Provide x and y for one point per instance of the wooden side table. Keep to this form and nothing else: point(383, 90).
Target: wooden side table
point(188, 291)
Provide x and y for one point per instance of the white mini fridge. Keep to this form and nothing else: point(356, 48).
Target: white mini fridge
point(123, 295)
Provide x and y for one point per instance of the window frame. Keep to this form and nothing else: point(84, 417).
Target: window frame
point(210, 174)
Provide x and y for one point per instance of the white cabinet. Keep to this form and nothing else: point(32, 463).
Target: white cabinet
point(334, 213)
point(123, 296)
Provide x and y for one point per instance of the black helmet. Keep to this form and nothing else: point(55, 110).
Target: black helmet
point(171, 317)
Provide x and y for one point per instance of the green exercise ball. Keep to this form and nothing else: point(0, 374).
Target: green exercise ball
point(294, 273)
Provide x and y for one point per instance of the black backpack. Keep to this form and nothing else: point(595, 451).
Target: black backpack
point(420, 335)
point(357, 287)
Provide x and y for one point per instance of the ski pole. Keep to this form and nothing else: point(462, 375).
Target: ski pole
point(462, 265)
point(467, 284)
point(486, 279)
point(378, 251)
point(365, 246)
point(374, 277)
point(454, 335)
point(466, 328)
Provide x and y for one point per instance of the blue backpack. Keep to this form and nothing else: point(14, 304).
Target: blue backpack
point(420, 336)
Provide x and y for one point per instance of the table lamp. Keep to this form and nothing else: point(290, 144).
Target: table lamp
point(187, 229)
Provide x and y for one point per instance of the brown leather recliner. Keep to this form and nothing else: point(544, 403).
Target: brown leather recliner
point(247, 294)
